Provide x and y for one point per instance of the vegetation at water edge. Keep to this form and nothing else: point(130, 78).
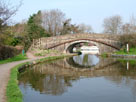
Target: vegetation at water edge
point(16, 58)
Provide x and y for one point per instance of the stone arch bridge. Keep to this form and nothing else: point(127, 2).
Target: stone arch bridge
point(65, 43)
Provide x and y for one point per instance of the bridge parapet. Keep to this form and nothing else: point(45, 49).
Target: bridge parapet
point(80, 36)
point(51, 42)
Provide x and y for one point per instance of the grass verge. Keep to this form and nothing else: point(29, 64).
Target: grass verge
point(13, 92)
point(16, 58)
point(132, 51)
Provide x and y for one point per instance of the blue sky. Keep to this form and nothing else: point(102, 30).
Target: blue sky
point(91, 12)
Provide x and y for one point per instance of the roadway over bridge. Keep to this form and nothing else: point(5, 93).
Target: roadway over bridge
point(66, 43)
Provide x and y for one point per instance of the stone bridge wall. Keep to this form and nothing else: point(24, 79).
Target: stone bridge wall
point(45, 43)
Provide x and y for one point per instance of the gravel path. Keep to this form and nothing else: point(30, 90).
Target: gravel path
point(5, 74)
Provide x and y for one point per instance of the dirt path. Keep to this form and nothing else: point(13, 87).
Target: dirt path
point(5, 74)
point(30, 55)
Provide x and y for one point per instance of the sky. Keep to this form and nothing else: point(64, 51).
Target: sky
point(90, 12)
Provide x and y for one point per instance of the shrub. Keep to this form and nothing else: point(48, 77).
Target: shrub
point(129, 39)
point(7, 52)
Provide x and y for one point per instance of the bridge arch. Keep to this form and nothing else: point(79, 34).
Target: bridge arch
point(68, 45)
point(71, 45)
point(106, 43)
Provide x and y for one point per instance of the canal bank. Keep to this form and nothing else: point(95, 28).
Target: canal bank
point(10, 84)
point(123, 56)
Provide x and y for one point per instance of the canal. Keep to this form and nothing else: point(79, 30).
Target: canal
point(84, 78)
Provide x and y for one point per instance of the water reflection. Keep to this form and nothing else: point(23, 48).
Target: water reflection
point(46, 83)
point(67, 76)
point(85, 60)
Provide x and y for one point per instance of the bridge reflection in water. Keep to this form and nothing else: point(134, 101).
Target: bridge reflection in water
point(61, 76)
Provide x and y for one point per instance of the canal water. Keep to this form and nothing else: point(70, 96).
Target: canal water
point(84, 78)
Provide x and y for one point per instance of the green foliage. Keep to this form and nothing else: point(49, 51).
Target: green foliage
point(8, 40)
point(34, 29)
point(13, 41)
point(16, 41)
point(13, 92)
point(16, 58)
point(132, 51)
point(131, 62)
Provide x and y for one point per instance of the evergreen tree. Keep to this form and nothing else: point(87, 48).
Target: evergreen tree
point(34, 29)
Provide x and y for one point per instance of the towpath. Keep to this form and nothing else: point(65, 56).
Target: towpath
point(5, 74)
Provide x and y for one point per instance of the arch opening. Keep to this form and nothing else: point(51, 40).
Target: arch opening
point(85, 47)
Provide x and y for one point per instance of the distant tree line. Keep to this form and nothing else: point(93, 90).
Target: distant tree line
point(115, 25)
point(55, 23)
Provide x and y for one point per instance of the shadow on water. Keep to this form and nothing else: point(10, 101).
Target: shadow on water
point(67, 77)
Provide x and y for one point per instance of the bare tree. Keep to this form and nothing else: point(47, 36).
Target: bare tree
point(126, 29)
point(133, 24)
point(85, 28)
point(55, 23)
point(52, 21)
point(6, 12)
point(19, 29)
point(129, 28)
point(112, 25)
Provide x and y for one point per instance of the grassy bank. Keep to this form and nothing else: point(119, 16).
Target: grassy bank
point(122, 53)
point(132, 51)
point(16, 58)
point(13, 92)
point(131, 61)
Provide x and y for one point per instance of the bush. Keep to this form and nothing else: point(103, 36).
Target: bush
point(16, 41)
point(8, 52)
point(129, 39)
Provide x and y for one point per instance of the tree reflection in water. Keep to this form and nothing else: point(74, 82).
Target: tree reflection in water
point(44, 82)
point(55, 77)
